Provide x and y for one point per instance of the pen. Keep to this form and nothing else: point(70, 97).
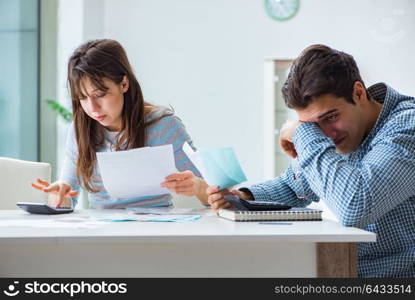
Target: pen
point(274, 223)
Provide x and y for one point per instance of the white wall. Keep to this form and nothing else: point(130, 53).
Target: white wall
point(70, 35)
point(206, 57)
point(78, 21)
point(48, 86)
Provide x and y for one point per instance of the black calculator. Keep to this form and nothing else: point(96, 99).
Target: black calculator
point(242, 204)
point(44, 209)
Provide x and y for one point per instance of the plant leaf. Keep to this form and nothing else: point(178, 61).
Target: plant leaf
point(60, 110)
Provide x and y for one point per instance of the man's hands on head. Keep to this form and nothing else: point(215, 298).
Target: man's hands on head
point(286, 134)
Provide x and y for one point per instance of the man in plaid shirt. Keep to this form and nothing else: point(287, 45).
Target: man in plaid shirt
point(354, 148)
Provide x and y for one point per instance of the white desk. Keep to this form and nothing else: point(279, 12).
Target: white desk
point(209, 247)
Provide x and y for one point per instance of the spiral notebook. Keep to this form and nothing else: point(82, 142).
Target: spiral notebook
point(292, 214)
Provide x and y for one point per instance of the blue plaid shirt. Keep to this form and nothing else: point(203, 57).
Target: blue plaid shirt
point(372, 188)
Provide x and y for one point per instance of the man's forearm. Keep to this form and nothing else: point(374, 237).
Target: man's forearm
point(283, 189)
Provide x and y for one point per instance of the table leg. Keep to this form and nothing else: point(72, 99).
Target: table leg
point(336, 260)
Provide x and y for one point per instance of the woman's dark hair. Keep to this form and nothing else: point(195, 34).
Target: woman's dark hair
point(317, 71)
point(96, 60)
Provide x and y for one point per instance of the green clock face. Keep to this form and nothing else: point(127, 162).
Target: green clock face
point(282, 9)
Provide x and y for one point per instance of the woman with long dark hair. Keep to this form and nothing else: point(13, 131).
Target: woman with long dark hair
point(110, 114)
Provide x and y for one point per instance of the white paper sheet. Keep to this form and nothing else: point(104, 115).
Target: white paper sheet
point(175, 218)
point(136, 172)
point(171, 211)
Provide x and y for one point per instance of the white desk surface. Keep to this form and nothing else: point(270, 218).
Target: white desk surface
point(209, 228)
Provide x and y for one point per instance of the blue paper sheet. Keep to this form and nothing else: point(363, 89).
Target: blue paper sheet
point(222, 167)
point(218, 166)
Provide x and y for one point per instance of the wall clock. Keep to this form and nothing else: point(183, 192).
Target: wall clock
point(281, 10)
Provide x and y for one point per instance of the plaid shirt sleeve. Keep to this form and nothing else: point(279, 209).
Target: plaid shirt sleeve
point(290, 188)
point(359, 194)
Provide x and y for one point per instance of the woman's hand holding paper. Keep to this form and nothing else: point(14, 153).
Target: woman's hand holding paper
point(186, 183)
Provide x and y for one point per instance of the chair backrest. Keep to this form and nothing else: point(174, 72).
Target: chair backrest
point(15, 176)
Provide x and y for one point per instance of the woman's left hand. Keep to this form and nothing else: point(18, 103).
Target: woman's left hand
point(183, 183)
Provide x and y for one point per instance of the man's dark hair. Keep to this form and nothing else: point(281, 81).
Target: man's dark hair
point(317, 71)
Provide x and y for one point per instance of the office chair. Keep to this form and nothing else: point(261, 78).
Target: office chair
point(15, 176)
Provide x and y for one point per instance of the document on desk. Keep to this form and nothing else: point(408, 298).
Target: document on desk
point(173, 218)
point(170, 211)
point(136, 172)
point(218, 166)
point(73, 223)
